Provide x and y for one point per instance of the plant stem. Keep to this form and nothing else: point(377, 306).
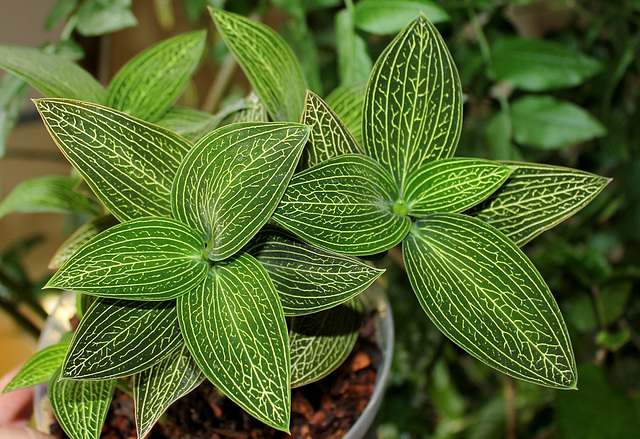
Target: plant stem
point(482, 39)
point(220, 84)
point(23, 295)
point(510, 405)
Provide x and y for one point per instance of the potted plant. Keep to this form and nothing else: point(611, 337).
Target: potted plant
point(193, 276)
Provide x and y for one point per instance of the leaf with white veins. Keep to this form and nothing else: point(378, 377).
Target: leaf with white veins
point(39, 368)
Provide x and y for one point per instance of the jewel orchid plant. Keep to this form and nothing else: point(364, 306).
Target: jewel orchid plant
point(213, 239)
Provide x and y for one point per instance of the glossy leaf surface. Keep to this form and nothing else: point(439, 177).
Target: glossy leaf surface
point(156, 388)
point(483, 293)
point(537, 197)
point(235, 329)
point(391, 16)
point(118, 338)
point(52, 75)
point(128, 163)
point(232, 180)
point(344, 204)
point(149, 83)
point(413, 104)
point(320, 342)
point(80, 407)
point(268, 63)
point(347, 102)
point(143, 259)
point(39, 368)
point(309, 278)
point(452, 185)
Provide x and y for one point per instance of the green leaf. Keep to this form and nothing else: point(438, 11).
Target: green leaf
point(547, 123)
point(354, 62)
point(483, 293)
point(39, 368)
point(235, 329)
point(60, 10)
point(80, 407)
point(329, 137)
point(255, 111)
point(382, 17)
point(268, 63)
point(156, 388)
point(537, 65)
point(192, 124)
point(149, 83)
point(296, 33)
point(142, 259)
point(48, 194)
point(347, 102)
point(453, 185)
point(99, 17)
point(344, 204)
point(118, 338)
point(53, 75)
point(13, 92)
point(309, 278)
point(537, 197)
point(413, 103)
point(320, 342)
point(128, 163)
point(232, 180)
point(80, 237)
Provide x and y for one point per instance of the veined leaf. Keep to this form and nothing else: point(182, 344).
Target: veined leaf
point(537, 65)
point(254, 111)
point(149, 83)
point(391, 16)
point(48, 194)
point(232, 180)
point(344, 204)
point(329, 137)
point(235, 329)
point(309, 278)
point(320, 342)
point(142, 259)
point(347, 101)
point(13, 92)
point(354, 62)
point(452, 185)
point(118, 338)
point(413, 103)
point(156, 388)
point(39, 368)
point(80, 406)
point(483, 293)
point(128, 163)
point(192, 124)
point(80, 237)
point(268, 63)
point(53, 75)
point(537, 197)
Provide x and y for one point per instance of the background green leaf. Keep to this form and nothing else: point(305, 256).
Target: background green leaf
point(255, 110)
point(192, 124)
point(391, 16)
point(483, 293)
point(232, 180)
point(128, 163)
point(143, 259)
point(39, 368)
point(347, 101)
point(118, 338)
point(235, 329)
point(13, 92)
point(98, 17)
point(354, 62)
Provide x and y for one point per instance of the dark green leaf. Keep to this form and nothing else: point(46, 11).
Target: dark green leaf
point(232, 180)
point(149, 83)
point(547, 123)
point(53, 75)
point(391, 16)
point(237, 334)
point(347, 102)
point(320, 342)
point(537, 197)
point(329, 137)
point(156, 388)
point(118, 338)
point(128, 163)
point(309, 278)
point(413, 103)
point(142, 259)
point(354, 62)
point(99, 17)
point(452, 185)
point(48, 194)
point(483, 293)
point(268, 63)
point(537, 65)
point(344, 204)
point(13, 92)
point(39, 368)
point(80, 406)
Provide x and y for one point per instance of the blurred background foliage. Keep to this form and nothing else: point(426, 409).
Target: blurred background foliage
point(552, 81)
